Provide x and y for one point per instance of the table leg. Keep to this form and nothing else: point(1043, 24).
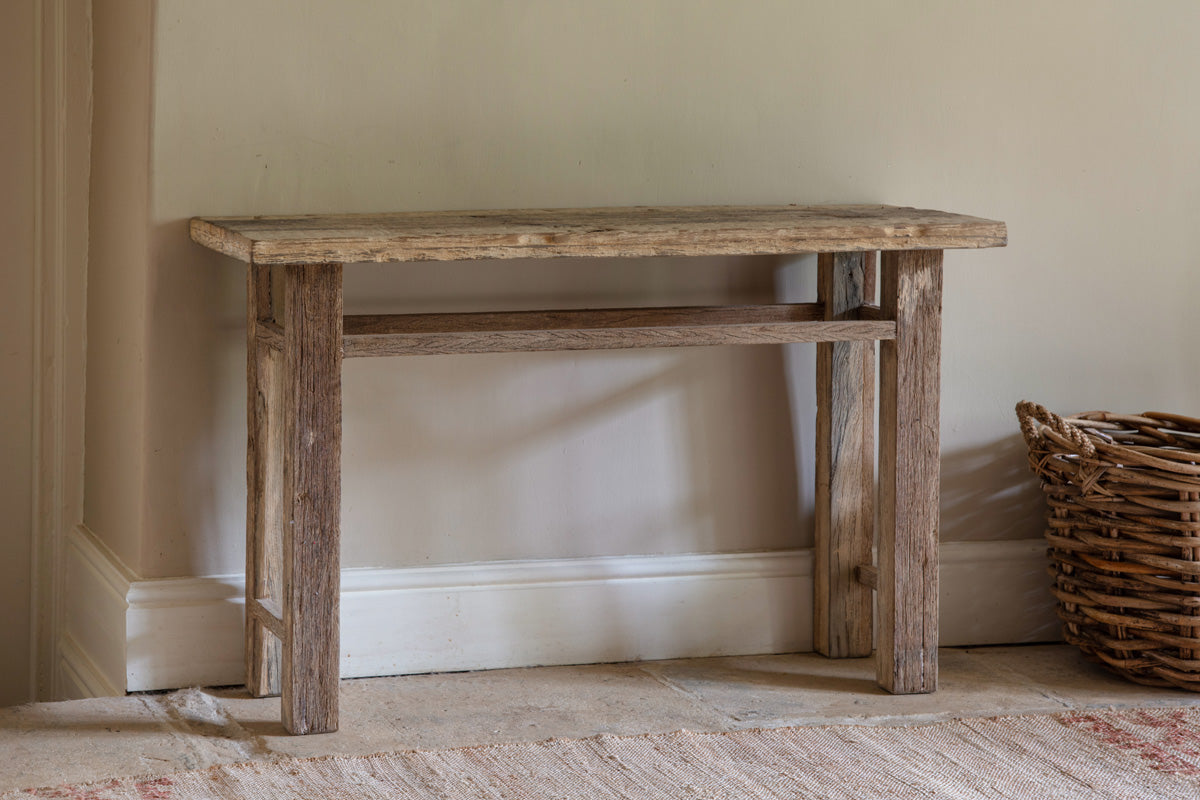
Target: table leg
point(909, 471)
point(845, 464)
point(312, 443)
point(264, 474)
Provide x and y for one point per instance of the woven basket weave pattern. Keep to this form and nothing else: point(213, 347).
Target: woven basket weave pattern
point(1123, 496)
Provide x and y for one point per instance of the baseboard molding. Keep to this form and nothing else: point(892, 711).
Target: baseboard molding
point(92, 636)
point(187, 631)
point(78, 675)
point(502, 614)
point(996, 593)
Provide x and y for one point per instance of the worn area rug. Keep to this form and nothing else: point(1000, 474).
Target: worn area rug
point(1145, 754)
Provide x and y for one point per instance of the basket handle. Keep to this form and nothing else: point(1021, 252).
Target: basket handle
point(1031, 414)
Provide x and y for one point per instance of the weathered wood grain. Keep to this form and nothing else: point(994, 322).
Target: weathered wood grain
point(269, 614)
point(590, 232)
point(845, 464)
point(596, 329)
point(312, 357)
point(909, 472)
point(270, 334)
point(264, 473)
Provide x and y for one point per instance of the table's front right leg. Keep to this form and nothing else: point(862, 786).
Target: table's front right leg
point(909, 471)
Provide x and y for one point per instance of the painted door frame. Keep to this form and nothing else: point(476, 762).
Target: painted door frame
point(63, 160)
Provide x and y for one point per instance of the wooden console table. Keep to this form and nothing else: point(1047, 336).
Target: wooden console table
point(298, 336)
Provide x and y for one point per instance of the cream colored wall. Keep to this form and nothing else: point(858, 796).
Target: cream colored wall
point(17, 203)
point(1073, 121)
point(119, 276)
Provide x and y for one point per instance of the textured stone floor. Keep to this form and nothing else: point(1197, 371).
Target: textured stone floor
point(53, 743)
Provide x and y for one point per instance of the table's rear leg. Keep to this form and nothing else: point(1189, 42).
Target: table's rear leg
point(845, 464)
point(312, 398)
point(909, 471)
point(264, 475)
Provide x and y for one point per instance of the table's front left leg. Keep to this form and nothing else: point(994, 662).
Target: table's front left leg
point(312, 443)
point(909, 471)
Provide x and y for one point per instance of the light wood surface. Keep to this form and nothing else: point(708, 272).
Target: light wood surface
point(270, 334)
point(845, 463)
point(909, 472)
point(597, 329)
point(269, 614)
point(590, 232)
point(264, 476)
point(312, 356)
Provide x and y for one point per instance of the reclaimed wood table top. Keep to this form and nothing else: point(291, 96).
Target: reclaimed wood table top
point(590, 232)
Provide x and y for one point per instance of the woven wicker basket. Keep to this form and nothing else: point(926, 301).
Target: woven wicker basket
point(1124, 531)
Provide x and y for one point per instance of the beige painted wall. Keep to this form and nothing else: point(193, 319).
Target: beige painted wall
point(17, 203)
point(119, 276)
point(1073, 121)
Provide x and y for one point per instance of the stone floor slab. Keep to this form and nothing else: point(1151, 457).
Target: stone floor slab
point(807, 689)
point(155, 733)
point(1063, 673)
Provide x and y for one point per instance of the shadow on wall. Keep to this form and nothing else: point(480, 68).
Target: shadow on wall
point(713, 425)
point(196, 480)
point(591, 454)
point(989, 493)
point(796, 282)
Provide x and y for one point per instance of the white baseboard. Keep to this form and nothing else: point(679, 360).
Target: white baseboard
point(78, 675)
point(91, 639)
point(188, 631)
point(996, 593)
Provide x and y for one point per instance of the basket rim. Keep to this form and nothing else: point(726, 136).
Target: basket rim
point(1083, 435)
